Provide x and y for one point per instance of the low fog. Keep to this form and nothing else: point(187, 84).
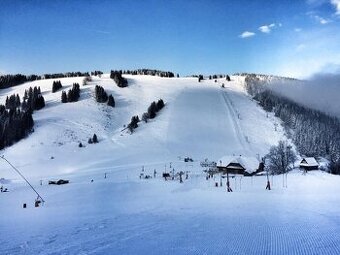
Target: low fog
point(320, 92)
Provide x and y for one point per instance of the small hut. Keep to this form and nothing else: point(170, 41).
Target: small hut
point(238, 165)
point(309, 163)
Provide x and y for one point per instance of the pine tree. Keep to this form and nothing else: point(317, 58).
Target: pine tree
point(94, 138)
point(160, 104)
point(111, 101)
point(152, 110)
point(63, 97)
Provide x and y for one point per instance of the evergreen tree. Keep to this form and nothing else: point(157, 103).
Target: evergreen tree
point(160, 104)
point(63, 97)
point(152, 110)
point(111, 101)
point(56, 85)
point(94, 138)
point(100, 94)
point(133, 123)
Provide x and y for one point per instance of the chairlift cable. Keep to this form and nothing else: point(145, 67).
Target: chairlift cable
point(3, 157)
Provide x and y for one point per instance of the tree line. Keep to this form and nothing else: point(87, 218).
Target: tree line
point(153, 109)
point(10, 80)
point(16, 120)
point(151, 72)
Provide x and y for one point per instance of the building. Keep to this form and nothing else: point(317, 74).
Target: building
point(238, 165)
point(309, 164)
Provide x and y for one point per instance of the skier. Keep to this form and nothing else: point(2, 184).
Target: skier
point(154, 173)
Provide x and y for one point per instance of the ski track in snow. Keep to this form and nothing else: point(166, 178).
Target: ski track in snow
point(235, 120)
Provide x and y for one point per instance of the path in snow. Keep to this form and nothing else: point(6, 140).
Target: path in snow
point(235, 118)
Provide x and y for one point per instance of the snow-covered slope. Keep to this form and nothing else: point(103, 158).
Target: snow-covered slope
point(200, 120)
point(123, 214)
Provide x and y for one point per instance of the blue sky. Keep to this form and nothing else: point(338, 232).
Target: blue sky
point(291, 38)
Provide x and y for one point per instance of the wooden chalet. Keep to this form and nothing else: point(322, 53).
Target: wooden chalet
point(309, 163)
point(238, 165)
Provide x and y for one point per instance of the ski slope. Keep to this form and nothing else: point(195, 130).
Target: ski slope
point(200, 120)
point(123, 214)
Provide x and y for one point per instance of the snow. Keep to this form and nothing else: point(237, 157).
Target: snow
point(123, 214)
point(309, 161)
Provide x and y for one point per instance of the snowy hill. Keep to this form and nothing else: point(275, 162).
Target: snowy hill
point(200, 120)
point(107, 209)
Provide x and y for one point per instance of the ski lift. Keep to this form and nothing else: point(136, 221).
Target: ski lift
point(38, 201)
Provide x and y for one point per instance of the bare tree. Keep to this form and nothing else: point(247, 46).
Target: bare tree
point(280, 158)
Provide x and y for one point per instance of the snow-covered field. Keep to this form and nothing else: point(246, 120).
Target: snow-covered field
point(123, 214)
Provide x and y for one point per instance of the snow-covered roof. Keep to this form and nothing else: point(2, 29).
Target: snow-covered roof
point(251, 164)
point(310, 161)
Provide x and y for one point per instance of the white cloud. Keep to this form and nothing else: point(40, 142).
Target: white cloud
point(322, 21)
point(267, 28)
point(297, 29)
point(246, 34)
point(336, 4)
